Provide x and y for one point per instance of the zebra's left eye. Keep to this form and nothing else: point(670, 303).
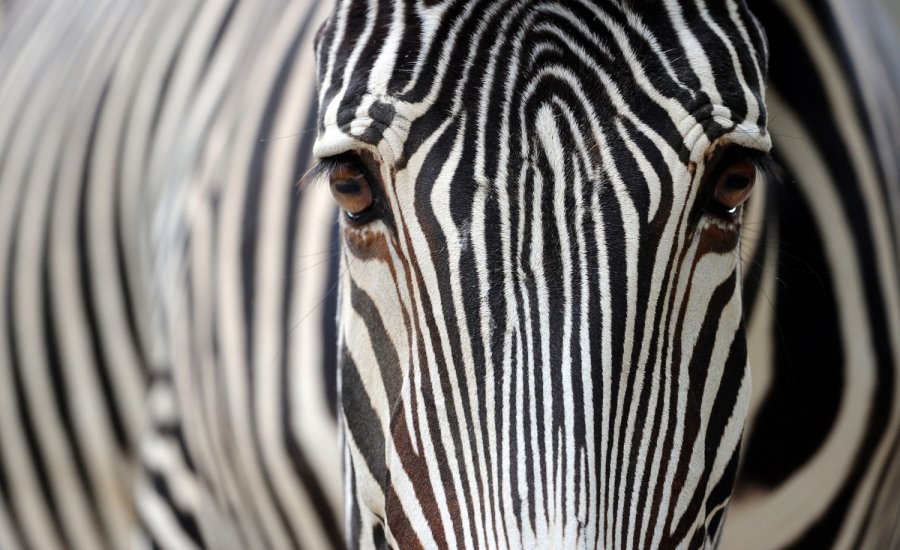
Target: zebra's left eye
point(352, 191)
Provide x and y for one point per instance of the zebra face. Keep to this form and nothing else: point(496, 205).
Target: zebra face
point(540, 323)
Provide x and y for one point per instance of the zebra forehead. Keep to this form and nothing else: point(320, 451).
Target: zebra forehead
point(383, 65)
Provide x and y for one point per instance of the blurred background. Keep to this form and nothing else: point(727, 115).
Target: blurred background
point(894, 8)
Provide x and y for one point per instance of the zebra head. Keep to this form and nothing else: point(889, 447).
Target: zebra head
point(541, 336)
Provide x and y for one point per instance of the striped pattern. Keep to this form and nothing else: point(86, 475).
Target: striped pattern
point(163, 325)
point(534, 332)
point(70, 395)
point(541, 338)
point(542, 341)
point(821, 467)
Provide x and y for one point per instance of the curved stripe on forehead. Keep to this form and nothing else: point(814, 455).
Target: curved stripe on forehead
point(473, 40)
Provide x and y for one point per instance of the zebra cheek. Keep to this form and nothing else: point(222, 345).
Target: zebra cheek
point(366, 243)
point(718, 238)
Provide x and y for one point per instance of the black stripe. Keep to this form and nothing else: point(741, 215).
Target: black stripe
point(87, 280)
point(362, 419)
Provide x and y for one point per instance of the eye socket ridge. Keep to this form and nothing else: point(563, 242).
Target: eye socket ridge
point(729, 178)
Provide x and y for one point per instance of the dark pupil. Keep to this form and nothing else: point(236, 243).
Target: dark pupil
point(737, 182)
point(348, 187)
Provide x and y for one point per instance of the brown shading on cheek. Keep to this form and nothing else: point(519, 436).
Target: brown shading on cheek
point(398, 523)
point(416, 468)
point(366, 244)
point(718, 238)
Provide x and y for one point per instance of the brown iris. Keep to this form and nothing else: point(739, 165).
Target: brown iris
point(352, 191)
point(734, 184)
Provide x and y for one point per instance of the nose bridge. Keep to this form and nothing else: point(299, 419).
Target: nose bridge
point(553, 419)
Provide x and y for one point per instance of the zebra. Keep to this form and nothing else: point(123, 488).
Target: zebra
point(214, 306)
point(543, 335)
point(542, 341)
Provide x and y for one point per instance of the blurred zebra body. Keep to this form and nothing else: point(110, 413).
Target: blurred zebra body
point(820, 466)
point(150, 128)
point(166, 305)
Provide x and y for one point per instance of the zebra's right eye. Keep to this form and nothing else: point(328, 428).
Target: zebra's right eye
point(729, 180)
point(353, 192)
point(734, 184)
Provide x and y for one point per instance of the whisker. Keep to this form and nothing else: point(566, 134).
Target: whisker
point(313, 266)
point(280, 138)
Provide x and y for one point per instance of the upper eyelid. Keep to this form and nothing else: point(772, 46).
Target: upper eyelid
point(325, 165)
point(320, 172)
point(360, 159)
point(768, 170)
point(722, 151)
point(737, 136)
